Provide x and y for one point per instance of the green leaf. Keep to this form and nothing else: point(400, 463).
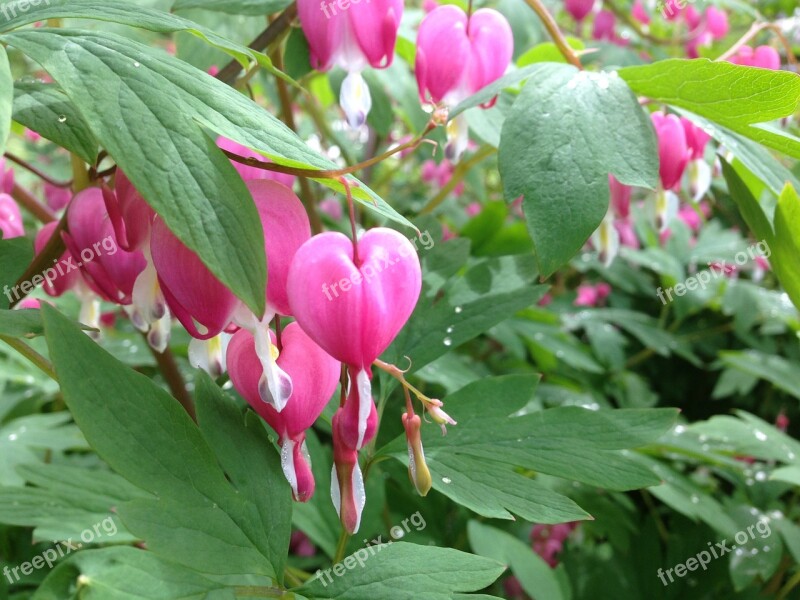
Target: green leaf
point(27, 440)
point(785, 245)
point(740, 98)
point(255, 8)
point(197, 517)
point(779, 371)
point(15, 256)
point(566, 132)
point(474, 464)
point(402, 571)
point(20, 323)
point(760, 556)
point(535, 575)
point(252, 465)
point(200, 196)
point(548, 52)
point(6, 99)
point(483, 296)
point(787, 474)
point(68, 501)
point(45, 109)
point(124, 573)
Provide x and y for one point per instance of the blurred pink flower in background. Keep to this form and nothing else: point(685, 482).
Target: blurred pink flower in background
point(592, 295)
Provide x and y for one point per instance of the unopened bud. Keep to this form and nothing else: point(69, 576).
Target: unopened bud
point(417, 467)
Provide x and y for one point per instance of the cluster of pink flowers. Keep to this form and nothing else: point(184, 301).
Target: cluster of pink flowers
point(763, 57)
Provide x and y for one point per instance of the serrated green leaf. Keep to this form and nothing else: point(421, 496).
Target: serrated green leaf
point(402, 571)
point(125, 573)
point(146, 436)
point(566, 132)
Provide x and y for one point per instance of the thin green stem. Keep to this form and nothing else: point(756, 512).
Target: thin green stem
point(458, 174)
point(341, 547)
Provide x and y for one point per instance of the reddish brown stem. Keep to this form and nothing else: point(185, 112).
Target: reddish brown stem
point(40, 174)
point(31, 204)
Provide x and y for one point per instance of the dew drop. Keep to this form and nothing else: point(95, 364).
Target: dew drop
point(695, 499)
point(447, 341)
point(137, 64)
point(458, 309)
point(760, 435)
point(761, 476)
point(446, 480)
point(62, 118)
point(12, 437)
point(765, 549)
point(450, 329)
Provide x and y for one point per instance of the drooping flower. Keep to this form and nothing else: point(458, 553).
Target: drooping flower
point(458, 56)
point(56, 197)
point(673, 151)
point(579, 9)
point(605, 24)
point(351, 39)
point(64, 274)
point(717, 22)
point(764, 57)
point(314, 377)
point(10, 218)
point(6, 177)
point(592, 295)
point(699, 170)
point(352, 299)
point(639, 12)
point(109, 270)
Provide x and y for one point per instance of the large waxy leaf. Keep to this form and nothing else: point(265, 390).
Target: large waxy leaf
point(740, 98)
point(475, 463)
point(775, 224)
point(401, 571)
point(45, 109)
point(6, 99)
point(197, 518)
point(20, 323)
point(533, 573)
point(124, 573)
point(566, 132)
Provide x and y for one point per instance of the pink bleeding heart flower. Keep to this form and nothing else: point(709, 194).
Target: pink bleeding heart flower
point(314, 376)
point(579, 9)
point(696, 139)
point(592, 295)
point(109, 270)
point(692, 17)
point(458, 56)
point(639, 12)
point(250, 173)
point(56, 197)
point(620, 197)
point(605, 24)
point(195, 296)
point(766, 57)
point(130, 215)
point(10, 218)
point(717, 22)
point(6, 177)
point(672, 9)
point(672, 149)
point(351, 39)
point(354, 307)
point(133, 219)
point(64, 275)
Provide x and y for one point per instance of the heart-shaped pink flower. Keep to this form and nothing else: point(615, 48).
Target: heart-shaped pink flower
point(314, 377)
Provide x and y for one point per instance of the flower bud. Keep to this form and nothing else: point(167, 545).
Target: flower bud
point(417, 467)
